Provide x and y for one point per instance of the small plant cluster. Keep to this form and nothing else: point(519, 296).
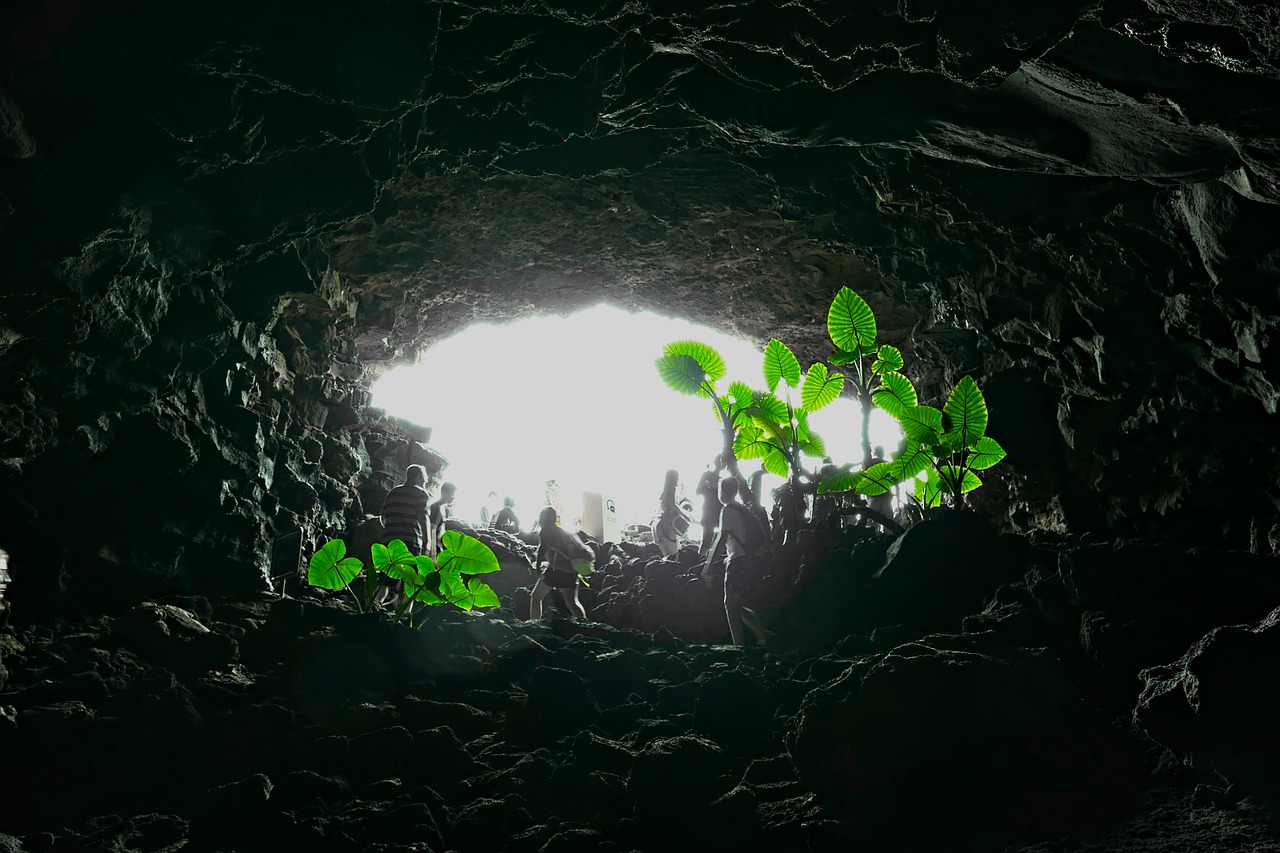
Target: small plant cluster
point(431, 582)
point(947, 446)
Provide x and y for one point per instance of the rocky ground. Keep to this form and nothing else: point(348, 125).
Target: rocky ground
point(951, 689)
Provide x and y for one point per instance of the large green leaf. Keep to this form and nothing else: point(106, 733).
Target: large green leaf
point(922, 424)
point(985, 453)
point(454, 591)
point(389, 558)
point(888, 360)
point(842, 357)
point(951, 474)
point(749, 443)
point(895, 395)
point(820, 387)
point(423, 587)
point(483, 595)
point(967, 411)
point(741, 393)
point(843, 479)
point(780, 363)
point(465, 555)
point(683, 374)
point(876, 480)
point(707, 356)
point(330, 568)
point(928, 490)
point(811, 444)
point(767, 408)
point(914, 459)
point(776, 463)
point(850, 322)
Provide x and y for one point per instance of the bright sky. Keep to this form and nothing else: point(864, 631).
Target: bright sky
point(578, 399)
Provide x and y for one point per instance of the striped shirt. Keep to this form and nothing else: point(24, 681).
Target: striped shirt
point(403, 512)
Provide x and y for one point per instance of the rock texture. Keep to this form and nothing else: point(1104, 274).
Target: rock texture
point(220, 223)
point(220, 226)
point(265, 722)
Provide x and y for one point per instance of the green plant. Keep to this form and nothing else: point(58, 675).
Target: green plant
point(447, 579)
point(851, 324)
point(694, 368)
point(948, 445)
point(778, 432)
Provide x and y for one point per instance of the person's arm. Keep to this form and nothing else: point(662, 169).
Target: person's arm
point(428, 535)
point(715, 548)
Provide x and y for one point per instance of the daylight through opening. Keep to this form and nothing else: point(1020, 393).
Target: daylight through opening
point(578, 400)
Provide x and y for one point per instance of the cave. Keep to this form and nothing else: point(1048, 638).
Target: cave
point(220, 224)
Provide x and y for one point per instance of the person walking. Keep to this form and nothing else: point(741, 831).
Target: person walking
point(560, 550)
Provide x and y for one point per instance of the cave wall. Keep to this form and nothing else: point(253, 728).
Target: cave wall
point(218, 225)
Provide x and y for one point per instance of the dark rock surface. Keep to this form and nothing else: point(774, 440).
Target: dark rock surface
point(317, 725)
point(220, 223)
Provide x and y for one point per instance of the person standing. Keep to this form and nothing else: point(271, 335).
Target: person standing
point(489, 510)
point(708, 488)
point(671, 522)
point(441, 511)
point(741, 535)
point(506, 519)
point(405, 517)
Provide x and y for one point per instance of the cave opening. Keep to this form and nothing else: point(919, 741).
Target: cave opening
point(576, 399)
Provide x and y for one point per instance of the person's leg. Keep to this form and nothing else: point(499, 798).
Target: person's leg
point(754, 622)
point(540, 590)
point(570, 599)
point(733, 610)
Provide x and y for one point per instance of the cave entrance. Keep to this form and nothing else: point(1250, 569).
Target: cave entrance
point(577, 400)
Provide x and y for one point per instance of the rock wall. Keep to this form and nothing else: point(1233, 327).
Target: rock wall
point(217, 225)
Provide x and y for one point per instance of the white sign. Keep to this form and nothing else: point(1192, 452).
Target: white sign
point(600, 517)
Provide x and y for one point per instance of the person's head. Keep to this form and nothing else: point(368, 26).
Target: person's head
point(509, 502)
point(718, 462)
point(493, 496)
point(756, 484)
point(728, 490)
point(877, 451)
point(415, 475)
point(547, 518)
point(669, 484)
point(447, 491)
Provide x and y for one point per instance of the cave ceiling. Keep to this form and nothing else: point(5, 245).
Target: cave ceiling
point(1074, 201)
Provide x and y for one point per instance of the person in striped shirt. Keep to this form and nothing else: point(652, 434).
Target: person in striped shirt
point(404, 517)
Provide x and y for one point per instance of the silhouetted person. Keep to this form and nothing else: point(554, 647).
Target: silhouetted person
point(671, 522)
point(506, 519)
point(405, 517)
point(489, 510)
point(559, 549)
point(440, 511)
point(741, 535)
point(709, 489)
point(756, 495)
point(882, 504)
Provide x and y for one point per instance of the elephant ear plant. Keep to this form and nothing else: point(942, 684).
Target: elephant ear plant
point(947, 445)
point(694, 368)
point(851, 325)
point(778, 433)
point(448, 579)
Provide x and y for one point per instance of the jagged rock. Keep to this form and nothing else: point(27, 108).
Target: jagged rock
point(1215, 707)
point(906, 733)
